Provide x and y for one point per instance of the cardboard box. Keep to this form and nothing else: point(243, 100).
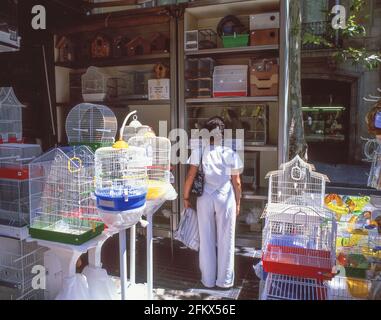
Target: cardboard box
point(264, 37)
point(159, 89)
point(269, 20)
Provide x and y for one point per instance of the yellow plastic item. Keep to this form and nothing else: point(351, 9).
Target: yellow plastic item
point(120, 145)
point(156, 189)
point(358, 288)
point(149, 134)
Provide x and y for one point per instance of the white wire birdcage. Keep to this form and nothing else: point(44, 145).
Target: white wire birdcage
point(296, 183)
point(17, 259)
point(159, 172)
point(121, 184)
point(284, 287)
point(61, 203)
point(99, 84)
point(10, 116)
point(14, 182)
point(136, 129)
point(299, 241)
point(92, 125)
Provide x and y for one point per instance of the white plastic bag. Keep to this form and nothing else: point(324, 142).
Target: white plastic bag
point(74, 288)
point(101, 287)
point(188, 232)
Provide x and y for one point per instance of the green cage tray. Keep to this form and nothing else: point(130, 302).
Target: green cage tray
point(42, 230)
point(94, 146)
point(238, 40)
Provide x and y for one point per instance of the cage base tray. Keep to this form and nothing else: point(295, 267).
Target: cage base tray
point(73, 239)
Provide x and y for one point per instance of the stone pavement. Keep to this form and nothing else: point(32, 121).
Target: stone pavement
point(177, 276)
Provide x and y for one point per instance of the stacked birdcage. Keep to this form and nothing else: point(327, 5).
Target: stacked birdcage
point(121, 184)
point(61, 204)
point(18, 259)
point(299, 234)
point(14, 183)
point(10, 116)
point(92, 125)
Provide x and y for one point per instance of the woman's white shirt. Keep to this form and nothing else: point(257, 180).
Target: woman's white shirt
point(219, 163)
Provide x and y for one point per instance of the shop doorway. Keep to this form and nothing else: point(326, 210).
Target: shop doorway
point(326, 114)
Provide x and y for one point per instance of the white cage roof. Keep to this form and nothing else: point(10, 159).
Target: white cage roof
point(296, 183)
point(90, 123)
point(8, 98)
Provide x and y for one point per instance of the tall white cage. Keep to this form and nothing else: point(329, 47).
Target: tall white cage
point(121, 184)
point(17, 259)
point(92, 125)
point(299, 237)
point(296, 183)
point(10, 116)
point(14, 183)
point(61, 202)
point(159, 172)
point(374, 180)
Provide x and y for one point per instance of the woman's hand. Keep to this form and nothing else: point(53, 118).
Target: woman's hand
point(238, 210)
point(187, 204)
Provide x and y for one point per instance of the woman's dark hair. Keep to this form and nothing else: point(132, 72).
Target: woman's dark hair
point(215, 123)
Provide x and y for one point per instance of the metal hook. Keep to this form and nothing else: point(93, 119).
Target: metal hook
point(369, 100)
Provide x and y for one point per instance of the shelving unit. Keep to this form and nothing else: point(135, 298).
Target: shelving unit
point(156, 20)
point(196, 110)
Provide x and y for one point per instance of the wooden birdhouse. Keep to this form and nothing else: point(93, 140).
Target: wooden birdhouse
point(100, 47)
point(138, 46)
point(119, 44)
point(66, 49)
point(159, 43)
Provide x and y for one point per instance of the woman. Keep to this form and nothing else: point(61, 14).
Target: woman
point(218, 206)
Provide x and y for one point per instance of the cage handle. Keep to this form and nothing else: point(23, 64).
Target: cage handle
point(69, 167)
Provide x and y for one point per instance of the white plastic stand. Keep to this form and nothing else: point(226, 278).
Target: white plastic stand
point(75, 286)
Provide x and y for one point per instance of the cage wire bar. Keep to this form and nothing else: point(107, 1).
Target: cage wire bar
point(61, 202)
point(17, 259)
point(10, 116)
point(14, 182)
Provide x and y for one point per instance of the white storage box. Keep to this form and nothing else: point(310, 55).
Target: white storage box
point(230, 81)
point(269, 20)
point(158, 89)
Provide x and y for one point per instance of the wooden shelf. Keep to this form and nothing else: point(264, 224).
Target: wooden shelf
point(234, 100)
point(115, 103)
point(229, 51)
point(113, 62)
point(265, 148)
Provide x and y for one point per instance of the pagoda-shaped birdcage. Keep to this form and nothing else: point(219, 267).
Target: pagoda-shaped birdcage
point(299, 237)
point(10, 116)
point(92, 125)
point(61, 202)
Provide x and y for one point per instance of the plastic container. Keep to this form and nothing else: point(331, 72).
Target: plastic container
point(235, 41)
point(230, 81)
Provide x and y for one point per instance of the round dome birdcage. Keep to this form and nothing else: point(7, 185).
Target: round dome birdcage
point(121, 184)
point(92, 125)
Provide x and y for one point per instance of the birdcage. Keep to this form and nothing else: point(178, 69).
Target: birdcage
point(299, 241)
point(10, 116)
point(92, 125)
point(121, 184)
point(135, 128)
point(296, 183)
point(14, 182)
point(17, 260)
point(102, 84)
point(346, 288)
point(61, 203)
point(159, 175)
point(285, 287)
